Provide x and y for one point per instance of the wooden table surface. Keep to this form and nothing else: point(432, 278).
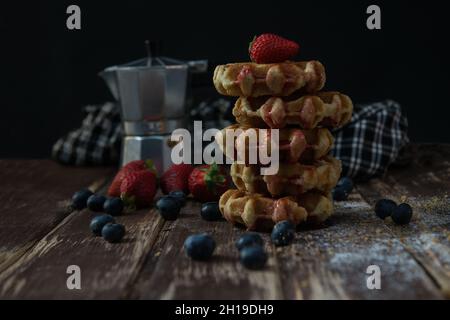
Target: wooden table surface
point(40, 237)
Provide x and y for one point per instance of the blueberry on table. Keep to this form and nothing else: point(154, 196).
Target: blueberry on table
point(79, 199)
point(179, 195)
point(402, 214)
point(340, 194)
point(199, 246)
point(249, 239)
point(98, 222)
point(285, 224)
point(384, 208)
point(169, 207)
point(95, 202)
point(113, 232)
point(210, 211)
point(346, 184)
point(283, 233)
point(253, 257)
point(113, 206)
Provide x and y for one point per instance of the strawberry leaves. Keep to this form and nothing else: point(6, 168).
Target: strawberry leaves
point(213, 177)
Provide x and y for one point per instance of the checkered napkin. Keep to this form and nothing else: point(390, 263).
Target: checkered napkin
point(366, 146)
point(96, 142)
point(372, 140)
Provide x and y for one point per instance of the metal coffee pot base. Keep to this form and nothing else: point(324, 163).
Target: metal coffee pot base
point(147, 147)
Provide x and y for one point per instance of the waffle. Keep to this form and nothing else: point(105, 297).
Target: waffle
point(294, 144)
point(324, 109)
point(279, 79)
point(261, 213)
point(291, 179)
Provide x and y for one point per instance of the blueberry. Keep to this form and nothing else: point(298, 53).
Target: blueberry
point(79, 199)
point(98, 222)
point(285, 224)
point(179, 195)
point(339, 194)
point(199, 246)
point(283, 233)
point(249, 239)
point(402, 214)
point(113, 206)
point(210, 211)
point(113, 232)
point(346, 183)
point(253, 257)
point(168, 207)
point(384, 208)
point(95, 202)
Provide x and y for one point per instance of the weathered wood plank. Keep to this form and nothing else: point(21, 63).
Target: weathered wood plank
point(424, 185)
point(331, 262)
point(169, 274)
point(327, 262)
point(106, 269)
point(33, 200)
point(323, 263)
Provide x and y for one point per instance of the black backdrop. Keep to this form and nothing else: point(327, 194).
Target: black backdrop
point(49, 72)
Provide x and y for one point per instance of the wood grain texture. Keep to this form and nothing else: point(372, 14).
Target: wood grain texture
point(34, 198)
point(170, 274)
point(425, 185)
point(40, 238)
point(106, 269)
point(331, 262)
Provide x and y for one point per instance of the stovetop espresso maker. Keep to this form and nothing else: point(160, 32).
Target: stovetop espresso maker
point(152, 95)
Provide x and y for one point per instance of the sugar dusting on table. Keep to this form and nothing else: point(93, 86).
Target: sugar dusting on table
point(386, 254)
point(351, 205)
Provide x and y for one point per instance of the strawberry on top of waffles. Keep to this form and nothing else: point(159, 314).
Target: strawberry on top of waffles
point(271, 48)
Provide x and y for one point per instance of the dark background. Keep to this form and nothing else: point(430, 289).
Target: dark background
point(49, 72)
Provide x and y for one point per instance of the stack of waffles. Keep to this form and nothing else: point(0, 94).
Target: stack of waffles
point(284, 96)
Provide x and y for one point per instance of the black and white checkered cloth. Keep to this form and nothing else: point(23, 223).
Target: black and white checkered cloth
point(96, 142)
point(372, 140)
point(366, 146)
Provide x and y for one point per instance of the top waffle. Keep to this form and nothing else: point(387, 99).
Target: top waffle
point(278, 79)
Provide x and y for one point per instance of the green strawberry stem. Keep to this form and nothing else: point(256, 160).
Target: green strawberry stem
point(129, 202)
point(150, 165)
point(213, 177)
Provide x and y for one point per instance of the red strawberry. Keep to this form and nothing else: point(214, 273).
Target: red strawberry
point(270, 48)
point(208, 182)
point(138, 188)
point(137, 165)
point(176, 178)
